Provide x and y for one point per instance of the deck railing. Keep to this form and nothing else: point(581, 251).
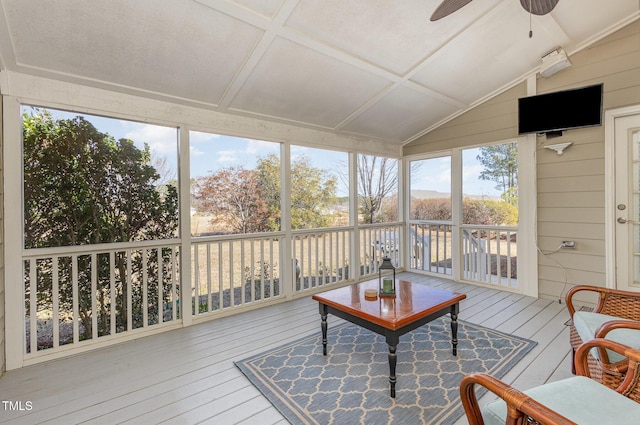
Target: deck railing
point(431, 246)
point(320, 257)
point(234, 270)
point(378, 241)
point(76, 295)
point(80, 295)
point(488, 253)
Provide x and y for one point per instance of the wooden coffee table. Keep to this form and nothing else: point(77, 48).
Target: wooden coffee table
point(413, 306)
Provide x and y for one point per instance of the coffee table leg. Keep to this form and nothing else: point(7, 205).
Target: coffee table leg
point(454, 328)
point(323, 325)
point(393, 359)
point(392, 341)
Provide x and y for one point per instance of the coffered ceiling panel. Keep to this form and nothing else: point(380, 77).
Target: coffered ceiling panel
point(395, 35)
point(299, 84)
point(581, 23)
point(189, 52)
point(400, 115)
point(468, 68)
point(366, 69)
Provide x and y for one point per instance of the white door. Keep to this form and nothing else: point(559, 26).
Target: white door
point(627, 202)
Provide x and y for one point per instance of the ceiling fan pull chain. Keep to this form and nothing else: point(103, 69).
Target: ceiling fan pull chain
point(530, 13)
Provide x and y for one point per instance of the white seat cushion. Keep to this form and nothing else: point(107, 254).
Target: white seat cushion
point(586, 324)
point(580, 399)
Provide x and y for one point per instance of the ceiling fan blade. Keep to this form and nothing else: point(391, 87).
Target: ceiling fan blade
point(539, 7)
point(447, 7)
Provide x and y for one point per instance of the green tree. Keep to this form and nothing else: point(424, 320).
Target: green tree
point(268, 171)
point(501, 166)
point(83, 187)
point(313, 192)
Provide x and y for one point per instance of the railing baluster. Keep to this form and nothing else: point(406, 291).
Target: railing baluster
point(331, 254)
point(220, 278)
point(196, 279)
point(509, 283)
point(33, 305)
point(94, 295)
point(425, 249)
point(174, 298)
point(209, 308)
point(317, 265)
point(309, 272)
point(145, 289)
point(263, 271)
point(243, 272)
point(129, 289)
point(499, 257)
point(232, 291)
point(56, 301)
point(74, 290)
point(112, 293)
point(160, 286)
point(250, 278)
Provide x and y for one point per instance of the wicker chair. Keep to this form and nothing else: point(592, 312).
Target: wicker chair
point(575, 400)
point(615, 309)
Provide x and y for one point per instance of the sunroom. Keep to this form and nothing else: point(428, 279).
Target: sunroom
point(179, 178)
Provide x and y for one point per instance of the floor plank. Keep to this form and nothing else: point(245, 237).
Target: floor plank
point(188, 375)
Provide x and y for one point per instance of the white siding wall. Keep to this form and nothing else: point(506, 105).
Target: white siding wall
point(570, 188)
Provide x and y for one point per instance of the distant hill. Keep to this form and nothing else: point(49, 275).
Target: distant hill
point(428, 194)
point(434, 194)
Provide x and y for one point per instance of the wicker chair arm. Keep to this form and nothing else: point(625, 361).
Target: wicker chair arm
point(607, 327)
point(519, 405)
point(581, 288)
point(602, 304)
point(630, 386)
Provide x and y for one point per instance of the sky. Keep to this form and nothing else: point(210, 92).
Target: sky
point(435, 174)
point(210, 152)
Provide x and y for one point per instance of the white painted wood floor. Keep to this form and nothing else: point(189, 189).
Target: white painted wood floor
point(187, 376)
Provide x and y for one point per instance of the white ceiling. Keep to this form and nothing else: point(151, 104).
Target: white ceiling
point(373, 68)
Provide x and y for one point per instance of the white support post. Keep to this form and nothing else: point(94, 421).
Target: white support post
point(13, 266)
point(354, 248)
point(185, 225)
point(456, 210)
point(527, 210)
point(287, 262)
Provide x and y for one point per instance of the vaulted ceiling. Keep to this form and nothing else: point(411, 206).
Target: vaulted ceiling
point(379, 69)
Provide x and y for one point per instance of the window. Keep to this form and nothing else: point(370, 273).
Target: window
point(319, 188)
point(431, 189)
point(235, 185)
point(490, 185)
point(90, 180)
point(377, 189)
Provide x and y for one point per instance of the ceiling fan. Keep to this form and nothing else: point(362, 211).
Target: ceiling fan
point(536, 7)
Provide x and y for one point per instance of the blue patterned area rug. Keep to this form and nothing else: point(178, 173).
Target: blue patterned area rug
point(351, 384)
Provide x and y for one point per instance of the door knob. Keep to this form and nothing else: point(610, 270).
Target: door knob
point(622, 220)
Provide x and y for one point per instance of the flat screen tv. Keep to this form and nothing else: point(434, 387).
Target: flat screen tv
point(562, 110)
